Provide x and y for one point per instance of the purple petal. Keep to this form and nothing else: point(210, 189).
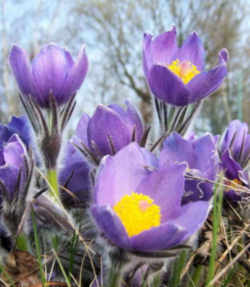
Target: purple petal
point(230, 166)
point(223, 56)
point(233, 195)
point(50, 69)
point(192, 217)
point(77, 74)
point(246, 149)
point(164, 47)
point(234, 137)
point(14, 165)
point(105, 126)
point(82, 128)
point(14, 152)
point(21, 126)
point(110, 224)
point(206, 83)
point(132, 118)
point(9, 176)
point(199, 154)
point(162, 237)
point(177, 149)
point(168, 87)
point(21, 68)
point(166, 186)
point(121, 174)
point(192, 50)
point(74, 175)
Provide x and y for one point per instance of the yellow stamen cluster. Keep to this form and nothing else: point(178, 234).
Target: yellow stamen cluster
point(137, 213)
point(184, 70)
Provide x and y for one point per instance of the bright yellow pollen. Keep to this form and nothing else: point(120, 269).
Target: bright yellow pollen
point(184, 70)
point(137, 213)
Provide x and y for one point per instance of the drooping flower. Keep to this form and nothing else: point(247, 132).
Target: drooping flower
point(138, 202)
point(110, 129)
point(234, 151)
point(202, 160)
point(74, 177)
point(51, 73)
point(175, 74)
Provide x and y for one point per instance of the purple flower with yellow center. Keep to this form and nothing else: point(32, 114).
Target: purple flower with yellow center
point(109, 129)
point(51, 73)
point(138, 202)
point(234, 152)
point(175, 74)
point(201, 158)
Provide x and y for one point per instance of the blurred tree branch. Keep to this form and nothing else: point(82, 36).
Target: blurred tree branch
point(117, 28)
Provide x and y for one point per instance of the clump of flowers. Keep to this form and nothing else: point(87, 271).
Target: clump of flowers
point(122, 198)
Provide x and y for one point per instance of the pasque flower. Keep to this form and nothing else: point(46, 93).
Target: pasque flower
point(138, 201)
point(109, 129)
point(201, 157)
point(15, 178)
point(234, 150)
point(51, 73)
point(74, 177)
point(175, 74)
point(12, 163)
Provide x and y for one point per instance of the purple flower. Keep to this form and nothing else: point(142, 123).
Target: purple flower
point(17, 125)
point(74, 177)
point(234, 152)
point(52, 72)
point(202, 160)
point(15, 178)
point(137, 202)
point(109, 129)
point(12, 164)
point(177, 75)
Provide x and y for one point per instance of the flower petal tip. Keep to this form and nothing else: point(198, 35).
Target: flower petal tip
point(223, 56)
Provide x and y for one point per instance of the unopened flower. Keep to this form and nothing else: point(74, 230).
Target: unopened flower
point(202, 161)
point(51, 73)
point(138, 202)
point(234, 152)
point(110, 129)
point(12, 163)
point(175, 74)
point(16, 171)
point(74, 177)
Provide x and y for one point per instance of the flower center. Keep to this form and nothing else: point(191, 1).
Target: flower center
point(184, 70)
point(233, 184)
point(137, 213)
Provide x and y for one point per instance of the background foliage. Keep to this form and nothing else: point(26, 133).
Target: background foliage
point(113, 32)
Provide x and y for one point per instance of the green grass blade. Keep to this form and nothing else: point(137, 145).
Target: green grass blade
point(62, 269)
point(196, 276)
point(38, 249)
point(217, 209)
point(177, 268)
point(21, 242)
